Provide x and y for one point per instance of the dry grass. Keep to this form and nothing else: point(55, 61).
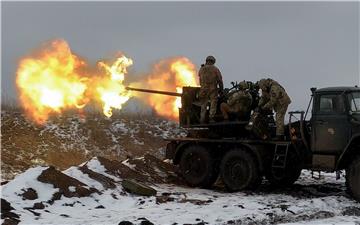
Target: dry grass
point(70, 139)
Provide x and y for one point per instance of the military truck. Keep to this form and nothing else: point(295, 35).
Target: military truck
point(328, 141)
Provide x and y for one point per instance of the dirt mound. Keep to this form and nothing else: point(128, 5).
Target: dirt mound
point(148, 169)
point(157, 170)
point(68, 186)
point(81, 181)
point(118, 169)
point(106, 182)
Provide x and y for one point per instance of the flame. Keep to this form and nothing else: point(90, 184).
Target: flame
point(53, 80)
point(170, 75)
point(111, 91)
point(50, 82)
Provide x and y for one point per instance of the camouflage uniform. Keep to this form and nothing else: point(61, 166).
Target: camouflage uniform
point(210, 78)
point(274, 97)
point(239, 102)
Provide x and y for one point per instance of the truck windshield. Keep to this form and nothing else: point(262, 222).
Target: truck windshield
point(354, 99)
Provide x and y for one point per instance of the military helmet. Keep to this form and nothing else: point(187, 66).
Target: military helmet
point(243, 85)
point(210, 59)
point(263, 83)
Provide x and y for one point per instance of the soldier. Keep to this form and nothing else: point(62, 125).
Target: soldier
point(210, 85)
point(274, 97)
point(239, 103)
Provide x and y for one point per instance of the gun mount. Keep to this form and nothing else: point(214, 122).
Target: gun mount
point(189, 113)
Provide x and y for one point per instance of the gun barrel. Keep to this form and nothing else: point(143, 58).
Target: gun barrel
point(154, 91)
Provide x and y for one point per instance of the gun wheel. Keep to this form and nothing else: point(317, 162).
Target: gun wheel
point(198, 167)
point(239, 170)
point(353, 178)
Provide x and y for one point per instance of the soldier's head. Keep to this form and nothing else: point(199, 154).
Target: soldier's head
point(210, 60)
point(264, 84)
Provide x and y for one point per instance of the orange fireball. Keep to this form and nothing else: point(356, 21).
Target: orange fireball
point(170, 75)
point(111, 90)
point(54, 79)
point(49, 81)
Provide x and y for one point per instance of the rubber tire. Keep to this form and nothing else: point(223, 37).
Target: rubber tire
point(353, 178)
point(286, 177)
point(247, 175)
point(198, 167)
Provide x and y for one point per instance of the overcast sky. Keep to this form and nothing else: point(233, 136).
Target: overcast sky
point(299, 44)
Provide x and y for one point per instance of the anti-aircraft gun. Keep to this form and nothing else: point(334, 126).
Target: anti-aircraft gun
point(189, 113)
point(330, 141)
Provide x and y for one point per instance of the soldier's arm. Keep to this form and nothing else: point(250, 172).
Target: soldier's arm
point(220, 80)
point(232, 99)
point(269, 105)
point(250, 99)
point(274, 96)
point(200, 80)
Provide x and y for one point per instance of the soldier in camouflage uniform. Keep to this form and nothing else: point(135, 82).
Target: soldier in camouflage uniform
point(239, 103)
point(274, 97)
point(210, 85)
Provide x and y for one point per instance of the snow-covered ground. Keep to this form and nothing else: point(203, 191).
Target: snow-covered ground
point(311, 200)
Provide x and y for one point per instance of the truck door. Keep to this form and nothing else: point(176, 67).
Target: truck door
point(331, 127)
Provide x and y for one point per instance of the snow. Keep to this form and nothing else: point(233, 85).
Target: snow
point(72, 188)
point(224, 207)
point(336, 220)
point(96, 166)
point(186, 205)
point(12, 190)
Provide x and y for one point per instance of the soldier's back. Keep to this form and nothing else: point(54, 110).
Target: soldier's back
point(208, 75)
point(278, 91)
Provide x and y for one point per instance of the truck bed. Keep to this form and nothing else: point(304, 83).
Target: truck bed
point(227, 140)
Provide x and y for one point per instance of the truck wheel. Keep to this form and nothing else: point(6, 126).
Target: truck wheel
point(353, 178)
point(198, 167)
point(239, 170)
point(284, 177)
